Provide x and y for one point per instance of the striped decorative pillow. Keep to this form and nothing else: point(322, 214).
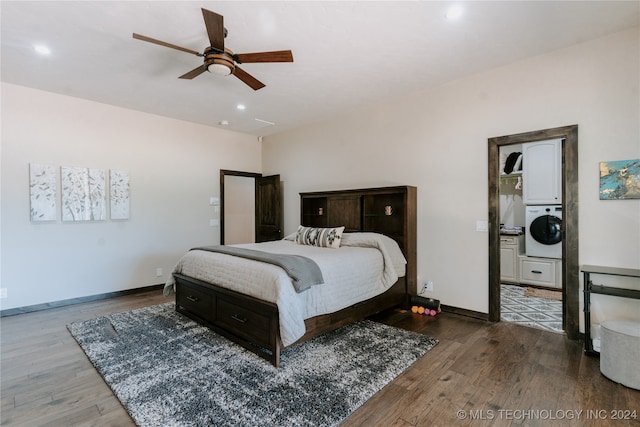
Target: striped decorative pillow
point(322, 237)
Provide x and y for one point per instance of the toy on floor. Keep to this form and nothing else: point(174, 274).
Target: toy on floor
point(421, 310)
point(426, 306)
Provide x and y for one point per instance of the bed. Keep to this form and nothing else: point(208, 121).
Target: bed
point(370, 268)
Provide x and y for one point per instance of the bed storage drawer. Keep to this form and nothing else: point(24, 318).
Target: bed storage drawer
point(195, 300)
point(245, 321)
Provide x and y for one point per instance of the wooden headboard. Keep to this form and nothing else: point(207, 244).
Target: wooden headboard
point(391, 211)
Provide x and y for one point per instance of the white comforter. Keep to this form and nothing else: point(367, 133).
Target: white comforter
point(365, 265)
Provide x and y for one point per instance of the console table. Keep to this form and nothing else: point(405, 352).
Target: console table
point(591, 288)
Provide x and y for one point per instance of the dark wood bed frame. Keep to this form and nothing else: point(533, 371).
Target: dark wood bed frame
point(254, 323)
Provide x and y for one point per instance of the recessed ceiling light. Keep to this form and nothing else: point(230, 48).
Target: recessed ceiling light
point(240, 107)
point(42, 50)
point(224, 122)
point(454, 13)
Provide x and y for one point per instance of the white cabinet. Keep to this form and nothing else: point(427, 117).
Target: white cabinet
point(542, 172)
point(541, 271)
point(510, 248)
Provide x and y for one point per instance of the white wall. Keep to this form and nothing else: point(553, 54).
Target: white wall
point(174, 169)
point(437, 141)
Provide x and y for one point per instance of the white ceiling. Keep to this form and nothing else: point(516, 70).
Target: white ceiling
point(347, 54)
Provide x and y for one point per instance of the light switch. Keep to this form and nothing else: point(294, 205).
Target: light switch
point(482, 225)
point(214, 201)
point(214, 222)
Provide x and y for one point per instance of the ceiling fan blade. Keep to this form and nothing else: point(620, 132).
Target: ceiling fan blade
point(275, 56)
point(195, 72)
point(215, 29)
point(165, 44)
point(247, 78)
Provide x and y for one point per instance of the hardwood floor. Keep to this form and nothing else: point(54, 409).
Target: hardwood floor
point(498, 374)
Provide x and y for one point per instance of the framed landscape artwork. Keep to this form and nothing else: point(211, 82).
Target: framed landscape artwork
point(620, 180)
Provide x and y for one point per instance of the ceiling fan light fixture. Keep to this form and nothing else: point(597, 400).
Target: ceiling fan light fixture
point(219, 69)
point(220, 63)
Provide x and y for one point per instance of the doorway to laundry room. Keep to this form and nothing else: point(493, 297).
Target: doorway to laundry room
point(531, 234)
point(532, 191)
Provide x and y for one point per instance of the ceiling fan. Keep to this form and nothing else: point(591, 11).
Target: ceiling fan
point(220, 60)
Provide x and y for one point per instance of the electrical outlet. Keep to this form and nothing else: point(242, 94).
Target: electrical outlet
point(427, 287)
point(3, 293)
point(159, 272)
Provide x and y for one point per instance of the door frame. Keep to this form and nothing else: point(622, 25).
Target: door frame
point(223, 173)
point(570, 258)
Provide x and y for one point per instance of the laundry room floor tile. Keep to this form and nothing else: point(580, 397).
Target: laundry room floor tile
point(529, 311)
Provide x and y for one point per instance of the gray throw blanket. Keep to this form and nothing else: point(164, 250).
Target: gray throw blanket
point(304, 272)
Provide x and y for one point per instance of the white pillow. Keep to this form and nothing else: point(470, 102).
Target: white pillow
point(389, 247)
point(322, 237)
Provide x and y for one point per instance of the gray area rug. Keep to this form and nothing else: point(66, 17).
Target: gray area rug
point(169, 371)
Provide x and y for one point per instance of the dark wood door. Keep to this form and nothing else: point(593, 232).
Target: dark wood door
point(268, 208)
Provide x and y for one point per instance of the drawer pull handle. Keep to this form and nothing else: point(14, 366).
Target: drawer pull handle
point(193, 299)
point(239, 319)
point(536, 271)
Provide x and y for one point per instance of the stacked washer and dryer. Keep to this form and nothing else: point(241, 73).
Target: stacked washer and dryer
point(543, 236)
point(542, 196)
